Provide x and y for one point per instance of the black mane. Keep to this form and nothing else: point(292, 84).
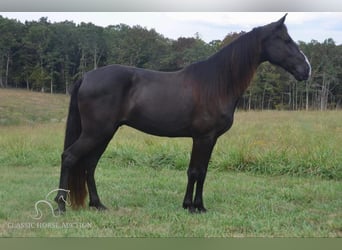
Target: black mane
point(230, 70)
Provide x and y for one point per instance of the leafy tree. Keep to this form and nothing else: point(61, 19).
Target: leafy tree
point(91, 45)
point(63, 54)
point(37, 41)
point(10, 31)
point(44, 56)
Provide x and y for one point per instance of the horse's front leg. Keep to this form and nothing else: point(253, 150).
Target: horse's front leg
point(200, 156)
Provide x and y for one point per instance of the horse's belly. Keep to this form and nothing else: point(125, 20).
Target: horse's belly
point(160, 128)
point(160, 123)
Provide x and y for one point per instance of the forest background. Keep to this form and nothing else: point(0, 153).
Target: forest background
point(48, 57)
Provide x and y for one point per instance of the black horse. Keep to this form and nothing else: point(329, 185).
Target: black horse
point(198, 102)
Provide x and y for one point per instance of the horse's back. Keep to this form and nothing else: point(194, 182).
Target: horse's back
point(111, 77)
point(106, 79)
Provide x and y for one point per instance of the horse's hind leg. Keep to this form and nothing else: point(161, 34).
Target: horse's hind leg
point(61, 197)
point(89, 146)
point(91, 162)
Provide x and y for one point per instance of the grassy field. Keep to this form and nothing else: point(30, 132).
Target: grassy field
point(20, 107)
point(274, 174)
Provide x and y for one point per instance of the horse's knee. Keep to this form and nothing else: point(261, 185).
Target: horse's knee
point(197, 174)
point(68, 160)
point(193, 173)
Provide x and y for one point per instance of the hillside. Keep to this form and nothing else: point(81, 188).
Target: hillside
point(21, 107)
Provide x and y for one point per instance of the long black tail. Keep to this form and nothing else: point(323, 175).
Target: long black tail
point(73, 127)
point(77, 176)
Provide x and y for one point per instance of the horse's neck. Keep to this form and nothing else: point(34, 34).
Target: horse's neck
point(238, 62)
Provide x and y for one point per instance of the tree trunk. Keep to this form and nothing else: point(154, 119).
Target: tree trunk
point(7, 69)
point(294, 96)
point(27, 84)
point(295, 100)
point(81, 66)
point(289, 102)
point(1, 81)
point(249, 100)
point(324, 93)
point(51, 85)
point(66, 86)
point(263, 97)
point(95, 60)
point(269, 102)
point(307, 95)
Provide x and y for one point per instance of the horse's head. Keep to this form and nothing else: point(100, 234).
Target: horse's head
point(279, 48)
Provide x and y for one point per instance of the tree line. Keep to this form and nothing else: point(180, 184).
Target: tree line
point(48, 57)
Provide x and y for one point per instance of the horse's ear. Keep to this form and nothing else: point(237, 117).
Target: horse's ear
point(281, 20)
point(270, 28)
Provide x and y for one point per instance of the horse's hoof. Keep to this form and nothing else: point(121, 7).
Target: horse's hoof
point(98, 207)
point(59, 211)
point(201, 210)
point(190, 208)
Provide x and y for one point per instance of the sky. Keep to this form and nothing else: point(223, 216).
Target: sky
point(302, 26)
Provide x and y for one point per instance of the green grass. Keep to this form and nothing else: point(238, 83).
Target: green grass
point(18, 107)
point(274, 174)
point(277, 143)
point(144, 202)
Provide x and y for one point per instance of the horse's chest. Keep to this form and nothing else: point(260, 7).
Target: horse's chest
point(224, 123)
point(213, 123)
